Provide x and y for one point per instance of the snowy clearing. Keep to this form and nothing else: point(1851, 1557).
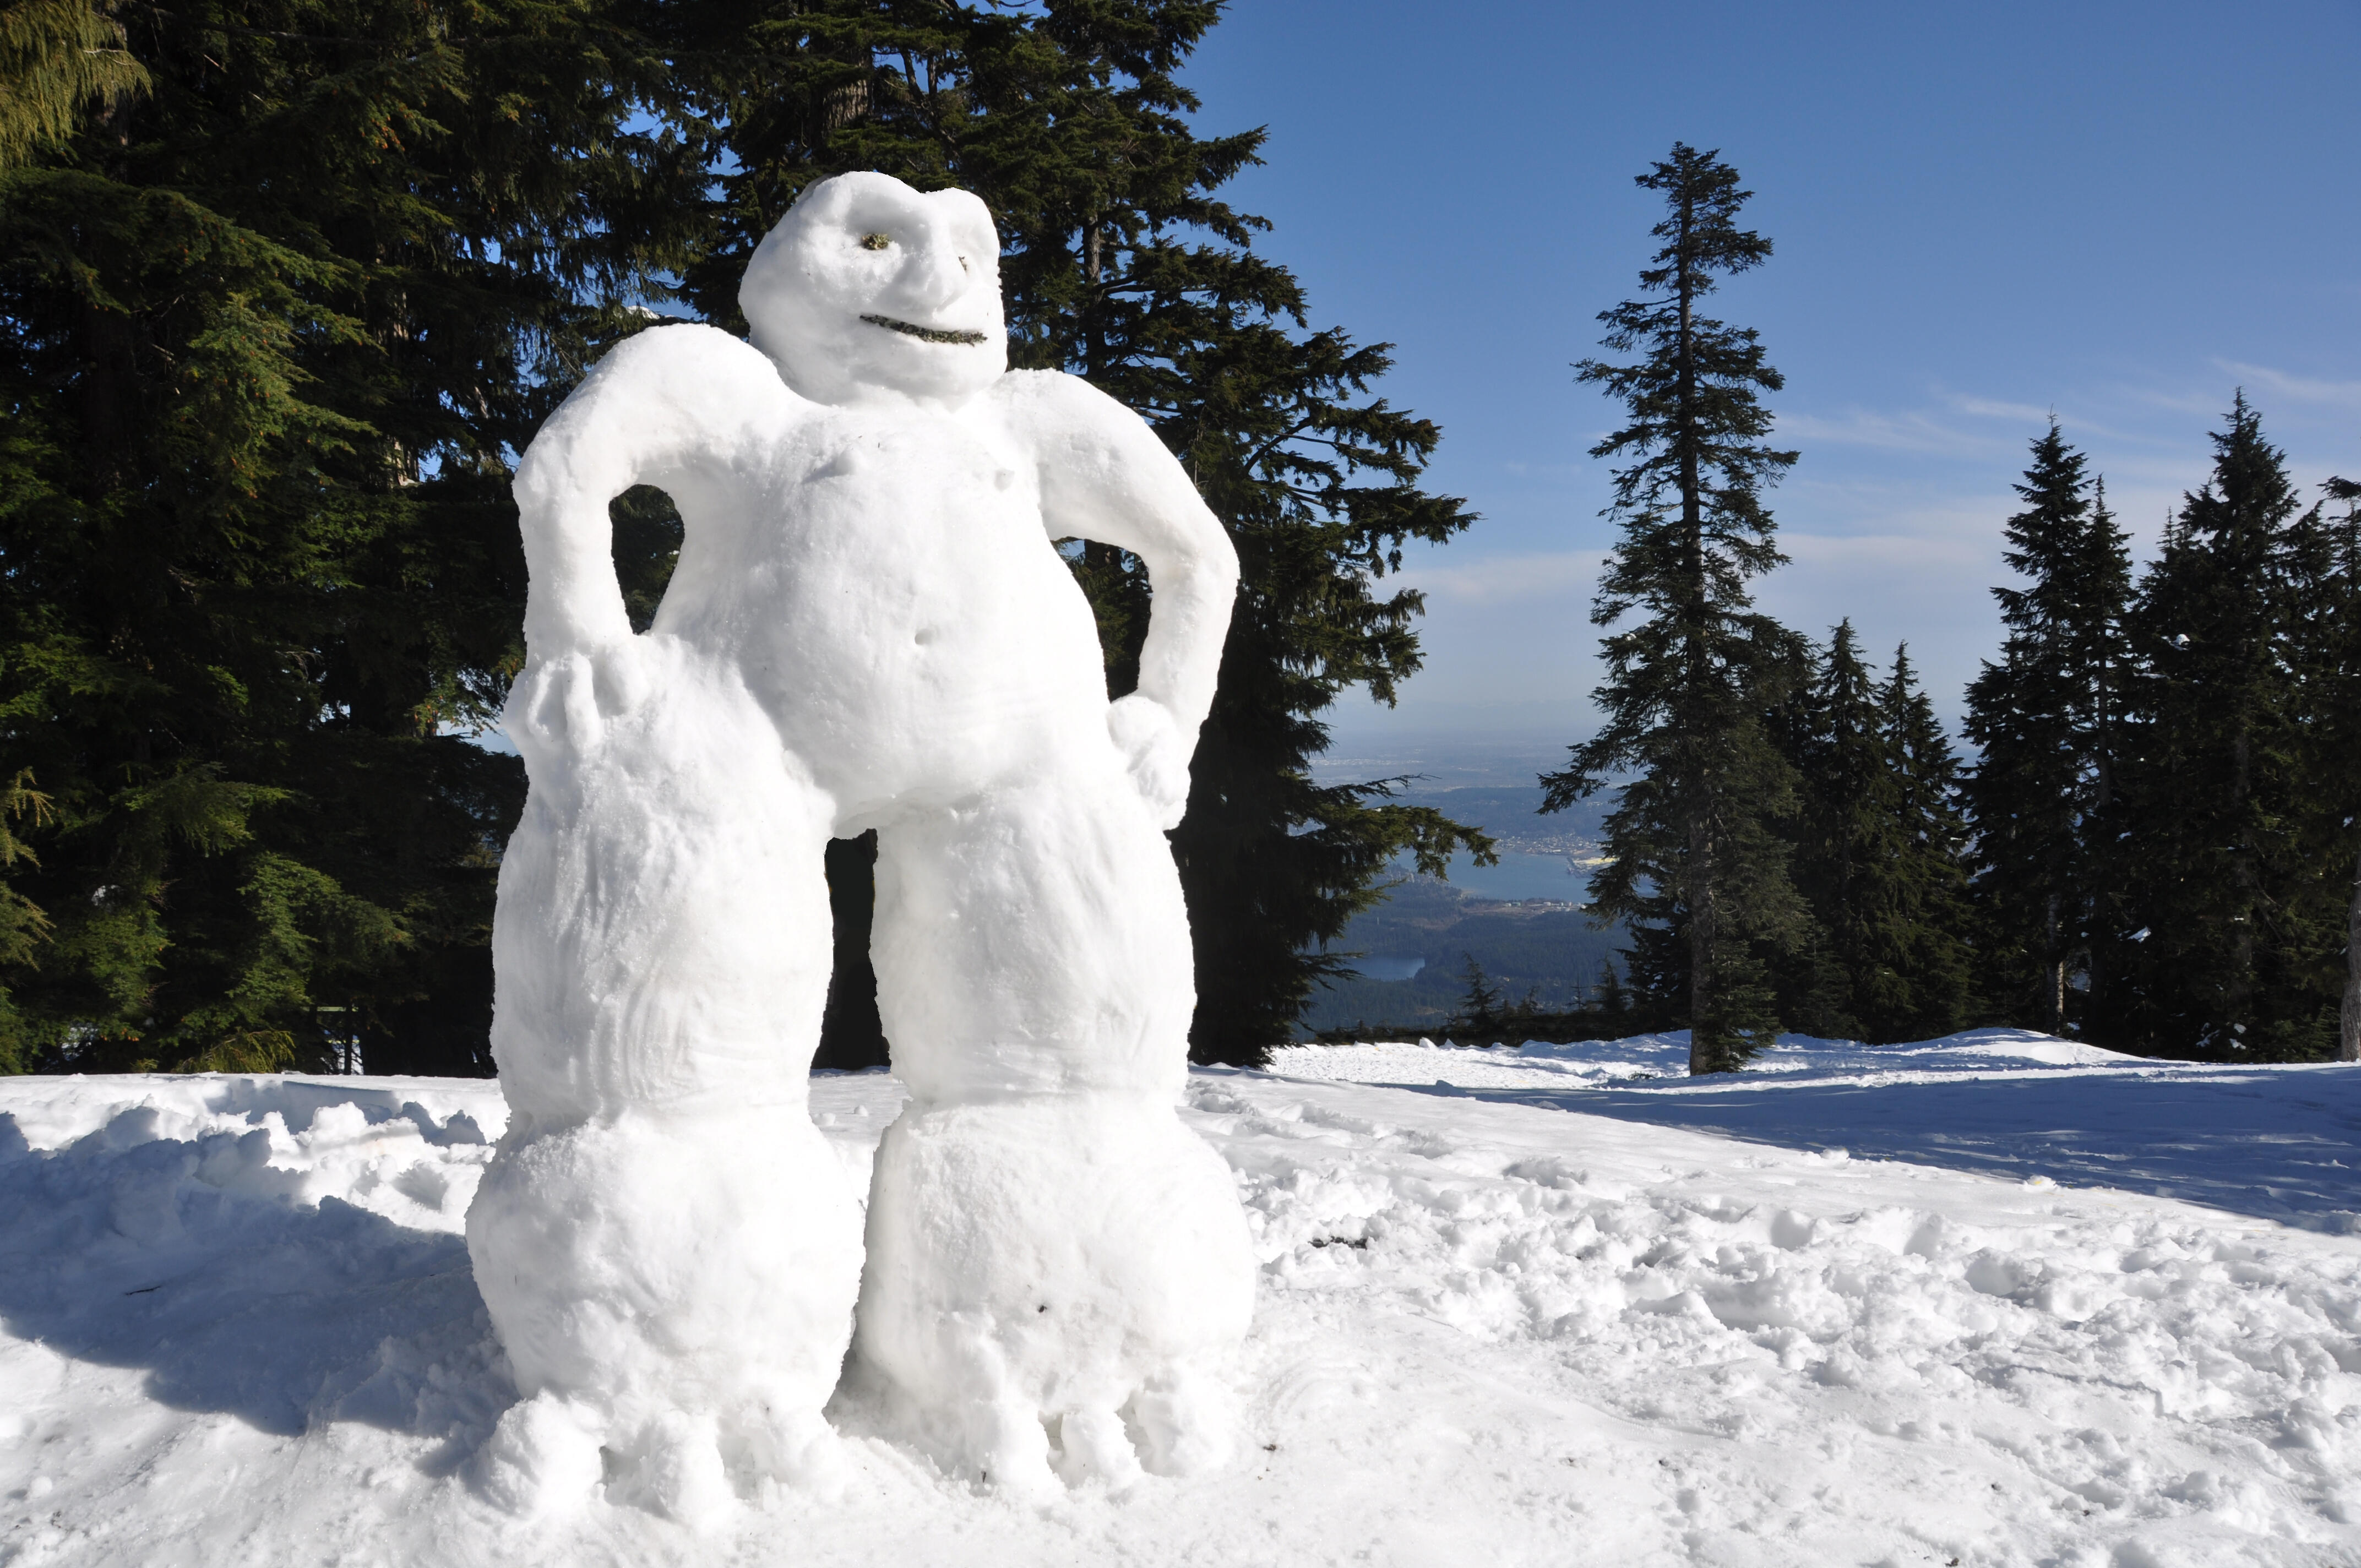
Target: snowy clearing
point(1520, 1307)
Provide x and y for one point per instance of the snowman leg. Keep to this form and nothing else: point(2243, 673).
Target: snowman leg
point(1038, 1194)
point(663, 1229)
point(1034, 941)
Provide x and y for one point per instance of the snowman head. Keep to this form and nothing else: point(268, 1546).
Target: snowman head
point(868, 290)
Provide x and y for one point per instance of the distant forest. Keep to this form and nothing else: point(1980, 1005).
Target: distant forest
point(2153, 845)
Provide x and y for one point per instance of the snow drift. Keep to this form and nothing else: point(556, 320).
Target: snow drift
point(1489, 1326)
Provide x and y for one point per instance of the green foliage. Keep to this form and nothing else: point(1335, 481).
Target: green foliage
point(2041, 796)
point(59, 59)
point(1916, 981)
point(1697, 863)
point(1880, 860)
point(2329, 667)
point(1121, 265)
point(2234, 860)
point(273, 327)
point(1485, 1012)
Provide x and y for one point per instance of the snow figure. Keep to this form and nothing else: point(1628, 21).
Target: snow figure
point(869, 626)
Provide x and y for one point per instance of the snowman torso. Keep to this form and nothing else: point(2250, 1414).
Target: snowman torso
point(888, 590)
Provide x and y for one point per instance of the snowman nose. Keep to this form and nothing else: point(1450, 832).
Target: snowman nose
point(937, 276)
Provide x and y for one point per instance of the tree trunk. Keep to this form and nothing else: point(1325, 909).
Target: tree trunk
point(1701, 939)
point(2243, 877)
point(2348, 1018)
point(1702, 910)
point(2054, 981)
point(2096, 999)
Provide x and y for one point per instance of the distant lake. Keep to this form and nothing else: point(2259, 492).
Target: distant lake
point(1519, 877)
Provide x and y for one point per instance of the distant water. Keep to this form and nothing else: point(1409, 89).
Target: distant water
point(1383, 966)
point(1521, 877)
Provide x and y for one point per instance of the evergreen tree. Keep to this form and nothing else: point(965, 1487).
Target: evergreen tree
point(2339, 735)
point(1919, 982)
point(2320, 920)
point(1879, 859)
point(2215, 860)
point(2039, 799)
point(1610, 1000)
point(1847, 837)
point(273, 326)
point(1121, 265)
point(1696, 866)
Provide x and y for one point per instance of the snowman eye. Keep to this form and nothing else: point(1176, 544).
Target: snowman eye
point(875, 241)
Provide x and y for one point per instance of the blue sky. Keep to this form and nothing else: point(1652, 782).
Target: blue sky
point(1981, 213)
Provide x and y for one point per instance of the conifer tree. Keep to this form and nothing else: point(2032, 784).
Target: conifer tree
point(2041, 792)
point(1879, 859)
point(1847, 838)
point(2338, 736)
point(2320, 918)
point(2215, 866)
point(1920, 981)
point(272, 323)
point(1696, 867)
point(1121, 264)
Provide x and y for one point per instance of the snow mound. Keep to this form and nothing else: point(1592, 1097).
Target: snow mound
point(1485, 1326)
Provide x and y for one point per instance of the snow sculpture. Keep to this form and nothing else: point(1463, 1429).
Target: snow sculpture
point(869, 626)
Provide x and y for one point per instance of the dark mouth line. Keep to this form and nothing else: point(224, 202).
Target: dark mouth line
point(923, 334)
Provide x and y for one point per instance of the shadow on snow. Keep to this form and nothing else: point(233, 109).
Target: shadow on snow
point(2282, 1146)
point(125, 1250)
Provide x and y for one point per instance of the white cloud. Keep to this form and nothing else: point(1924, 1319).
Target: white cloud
point(1950, 548)
point(1911, 431)
point(2279, 384)
point(1988, 408)
point(1485, 580)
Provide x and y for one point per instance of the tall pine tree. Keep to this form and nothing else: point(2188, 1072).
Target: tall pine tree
point(1920, 983)
point(2040, 795)
point(2216, 865)
point(2320, 920)
point(1696, 865)
point(1879, 859)
point(1845, 836)
point(2336, 735)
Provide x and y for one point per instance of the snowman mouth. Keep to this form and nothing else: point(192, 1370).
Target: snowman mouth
point(923, 333)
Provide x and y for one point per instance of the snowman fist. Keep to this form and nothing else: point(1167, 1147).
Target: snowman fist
point(1157, 753)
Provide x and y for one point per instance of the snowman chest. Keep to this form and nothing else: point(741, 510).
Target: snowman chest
point(891, 569)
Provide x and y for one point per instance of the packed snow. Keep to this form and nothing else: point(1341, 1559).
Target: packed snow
point(2272, 1142)
point(869, 627)
point(1513, 1307)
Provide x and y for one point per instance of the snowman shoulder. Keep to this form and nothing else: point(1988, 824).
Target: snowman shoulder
point(693, 374)
point(670, 394)
point(1065, 421)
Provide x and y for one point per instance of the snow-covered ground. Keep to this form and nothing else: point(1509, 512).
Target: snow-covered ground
point(1998, 1300)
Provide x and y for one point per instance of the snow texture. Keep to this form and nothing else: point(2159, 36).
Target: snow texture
point(239, 1325)
point(869, 626)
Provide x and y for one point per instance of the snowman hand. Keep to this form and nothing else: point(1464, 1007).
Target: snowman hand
point(559, 708)
point(1157, 753)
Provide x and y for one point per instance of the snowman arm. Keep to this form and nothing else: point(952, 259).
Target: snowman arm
point(1105, 476)
point(682, 407)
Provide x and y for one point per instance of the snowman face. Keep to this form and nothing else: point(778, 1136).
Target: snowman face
point(868, 291)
